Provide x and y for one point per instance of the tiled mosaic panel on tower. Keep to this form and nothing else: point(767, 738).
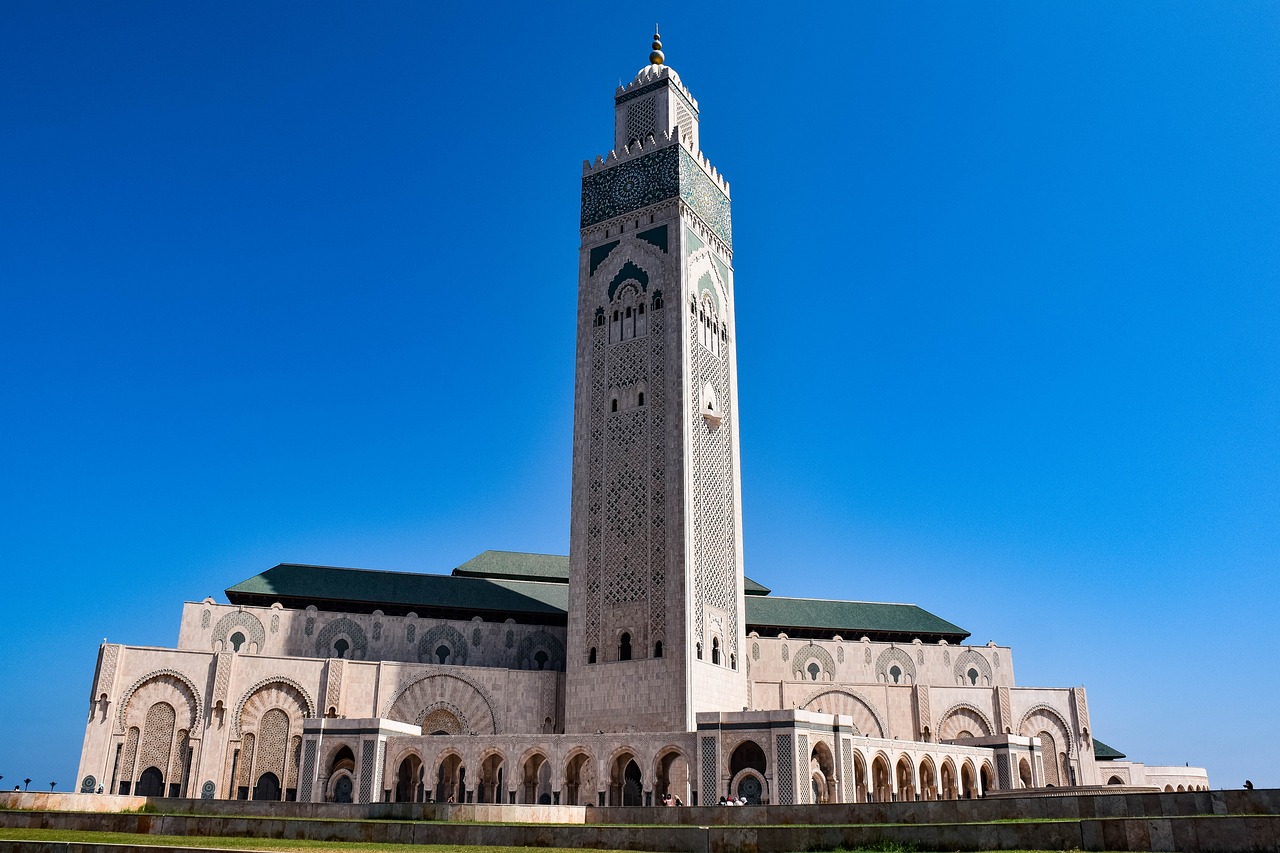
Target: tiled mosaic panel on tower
point(714, 537)
point(657, 482)
point(595, 483)
point(642, 119)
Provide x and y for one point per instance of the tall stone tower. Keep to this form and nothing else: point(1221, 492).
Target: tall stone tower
point(656, 625)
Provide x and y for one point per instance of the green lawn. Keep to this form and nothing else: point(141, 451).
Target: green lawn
point(255, 843)
point(273, 844)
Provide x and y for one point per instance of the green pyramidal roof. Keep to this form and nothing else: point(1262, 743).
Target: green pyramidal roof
point(812, 617)
point(534, 588)
point(398, 593)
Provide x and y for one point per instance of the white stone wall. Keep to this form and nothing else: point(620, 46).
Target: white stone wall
point(282, 632)
point(221, 704)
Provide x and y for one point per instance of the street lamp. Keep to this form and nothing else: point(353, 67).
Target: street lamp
point(52, 785)
point(27, 784)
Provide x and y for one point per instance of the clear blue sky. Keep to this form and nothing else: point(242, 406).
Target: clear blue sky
point(296, 282)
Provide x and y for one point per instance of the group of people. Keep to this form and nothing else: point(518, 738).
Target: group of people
point(671, 800)
point(732, 801)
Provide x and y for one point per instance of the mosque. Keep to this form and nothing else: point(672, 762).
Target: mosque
point(643, 665)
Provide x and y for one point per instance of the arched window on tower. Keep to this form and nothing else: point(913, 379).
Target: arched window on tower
point(591, 655)
point(641, 399)
point(657, 649)
point(715, 650)
point(442, 653)
point(699, 651)
point(237, 640)
point(624, 647)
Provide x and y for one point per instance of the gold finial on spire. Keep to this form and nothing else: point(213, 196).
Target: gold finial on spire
point(656, 57)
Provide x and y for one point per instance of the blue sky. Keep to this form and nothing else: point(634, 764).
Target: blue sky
point(296, 282)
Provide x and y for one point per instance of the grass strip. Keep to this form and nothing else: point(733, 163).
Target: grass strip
point(270, 844)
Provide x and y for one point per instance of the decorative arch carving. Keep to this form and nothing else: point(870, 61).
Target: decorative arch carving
point(275, 692)
point(543, 641)
point(962, 717)
point(851, 703)
point(443, 717)
point(343, 625)
point(702, 263)
point(247, 622)
point(167, 682)
point(1045, 717)
point(812, 653)
point(969, 659)
point(474, 702)
point(891, 656)
point(438, 635)
point(636, 260)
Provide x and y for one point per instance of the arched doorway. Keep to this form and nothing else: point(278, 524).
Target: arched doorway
point(906, 780)
point(451, 780)
point(632, 785)
point(268, 787)
point(988, 778)
point(536, 779)
point(1024, 772)
point(880, 782)
point(409, 787)
point(626, 781)
point(948, 773)
point(489, 785)
point(822, 773)
point(343, 767)
point(151, 783)
point(928, 780)
point(579, 788)
point(968, 783)
point(859, 778)
point(671, 775)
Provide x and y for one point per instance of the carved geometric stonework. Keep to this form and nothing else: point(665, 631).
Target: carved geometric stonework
point(241, 621)
point(333, 685)
point(1006, 715)
point(107, 671)
point(342, 626)
point(923, 712)
point(275, 692)
point(475, 706)
point(161, 685)
point(222, 676)
point(886, 661)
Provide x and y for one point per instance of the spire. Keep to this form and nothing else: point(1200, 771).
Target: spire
point(656, 57)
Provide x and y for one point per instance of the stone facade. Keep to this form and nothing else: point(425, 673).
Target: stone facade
point(648, 677)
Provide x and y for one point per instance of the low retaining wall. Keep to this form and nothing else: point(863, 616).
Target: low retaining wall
point(1075, 807)
point(1210, 821)
point(1191, 834)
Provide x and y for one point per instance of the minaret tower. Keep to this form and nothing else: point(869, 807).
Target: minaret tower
point(656, 625)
